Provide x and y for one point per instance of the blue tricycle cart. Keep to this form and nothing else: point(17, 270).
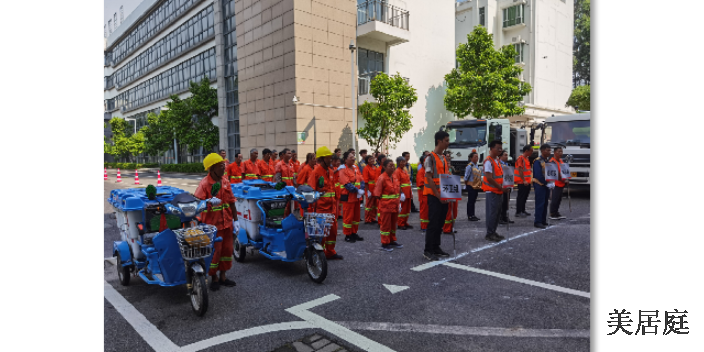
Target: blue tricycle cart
point(271, 223)
point(180, 254)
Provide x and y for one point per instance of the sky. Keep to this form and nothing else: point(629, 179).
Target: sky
point(110, 7)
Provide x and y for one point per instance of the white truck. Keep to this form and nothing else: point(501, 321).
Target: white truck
point(474, 135)
point(573, 134)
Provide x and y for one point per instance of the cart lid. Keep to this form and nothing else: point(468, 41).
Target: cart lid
point(135, 199)
point(258, 189)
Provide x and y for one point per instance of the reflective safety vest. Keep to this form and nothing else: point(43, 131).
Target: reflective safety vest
point(558, 183)
point(440, 168)
point(498, 177)
point(527, 172)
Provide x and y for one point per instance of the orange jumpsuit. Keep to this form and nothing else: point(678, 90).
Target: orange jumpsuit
point(220, 217)
point(371, 173)
point(389, 190)
point(405, 181)
point(286, 173)
point(303, 175)
point(420, 182)
point(234, 172)
point(336, 178)
point(325, 204)
point(296, 165)
point(250, 170)
point(350, 221)
point(266, 171)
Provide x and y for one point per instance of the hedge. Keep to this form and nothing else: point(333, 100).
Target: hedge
point(129, 166)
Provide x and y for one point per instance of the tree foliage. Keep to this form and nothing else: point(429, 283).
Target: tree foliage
point(580, 98)
point(486, 84)
point(158, 137)
point(124, 143)
point(388, 119)
point(581, 50)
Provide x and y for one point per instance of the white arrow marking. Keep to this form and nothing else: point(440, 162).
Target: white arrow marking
point(394, 288)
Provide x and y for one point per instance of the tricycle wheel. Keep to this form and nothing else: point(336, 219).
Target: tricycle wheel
point(123, 272)
point(240, 251)
point(317, 265)
point(199, 294)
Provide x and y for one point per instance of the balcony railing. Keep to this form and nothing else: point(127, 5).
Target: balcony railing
point(378, 10)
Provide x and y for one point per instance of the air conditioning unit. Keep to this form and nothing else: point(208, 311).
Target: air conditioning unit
point(517, 39)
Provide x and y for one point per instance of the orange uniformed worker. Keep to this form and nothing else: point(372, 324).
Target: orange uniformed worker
point(335, 167)
point(305, 171)
point(371, 173)
point(388, 190)
point(351, 193)
point(284, 170)
point(404, 180)
point(234, 170)
point(250, 170)
point(321, 179)
point(264, 165)
point(522, 176)
point(420, 183)
point(222, 214)
point(295, 163)
point(492, 184)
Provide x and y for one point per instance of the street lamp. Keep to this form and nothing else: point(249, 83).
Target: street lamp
point(354, 110)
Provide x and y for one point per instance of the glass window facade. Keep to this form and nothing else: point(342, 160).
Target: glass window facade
point(110, 104)
point(482, 16)
point(199, 28)
point(519, 51)
point(108, 82)
point(370, 64)
point(164, 15)
point(172, 81)
point(232, 104)
point(513, 15)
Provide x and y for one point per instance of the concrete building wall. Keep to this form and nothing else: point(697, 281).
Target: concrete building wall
point(294, 47)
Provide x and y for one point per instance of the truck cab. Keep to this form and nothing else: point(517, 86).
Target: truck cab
point(474, 135)
point(573, 134)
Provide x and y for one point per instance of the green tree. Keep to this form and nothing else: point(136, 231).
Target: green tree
point(388, 119)
point(486, 84)
point(580, 98)
point(123, 145)
point(158, 138)
point(581, 51)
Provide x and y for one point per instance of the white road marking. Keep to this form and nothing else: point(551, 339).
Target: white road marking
point(521, 280)
point(395, 289)
point(338, 330)
point(240, 334)
point(436, 263)
point(185, 184)
point(464, 330)
point(155, 338)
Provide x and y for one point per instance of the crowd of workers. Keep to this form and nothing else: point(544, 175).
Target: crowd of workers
point(383, 187)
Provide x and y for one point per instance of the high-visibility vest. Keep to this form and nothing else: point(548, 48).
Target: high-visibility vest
point(440, 168)
point(498, 177)
point(527, 171)
point(558, 183)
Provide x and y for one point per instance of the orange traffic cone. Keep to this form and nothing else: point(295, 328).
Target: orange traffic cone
point(119, 179)
point(136, 177)
point(105, 173)
point(158, 178)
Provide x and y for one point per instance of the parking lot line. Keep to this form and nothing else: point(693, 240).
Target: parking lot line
point(338, 330)
point(520, 280)
point(155, 338)
point(240, 334)
point(464, 330)
point(438, 262)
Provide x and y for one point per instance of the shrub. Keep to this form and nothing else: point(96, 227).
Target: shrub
point(185, 168)
point(129, 166)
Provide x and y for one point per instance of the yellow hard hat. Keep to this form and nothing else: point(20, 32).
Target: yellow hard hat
point(322, 152)
point(211, 159)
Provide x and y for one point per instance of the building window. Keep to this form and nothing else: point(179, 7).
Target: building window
point(232, 103)
point(482, 16)
point(370, 64)
point(122, 15)
point(176, 80)
point(115, 19)
point(519, 51)
point(196, 30)
point(110, 25)
point(513, 15)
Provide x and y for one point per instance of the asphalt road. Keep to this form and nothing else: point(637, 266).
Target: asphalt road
point(528, 293)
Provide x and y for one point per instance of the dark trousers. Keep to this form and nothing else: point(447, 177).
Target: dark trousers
point(523, 192)
point(504, 204)
point(542, 198)
point(472, 195)
point(556, 200)
point(413, 204)
point(437, 211)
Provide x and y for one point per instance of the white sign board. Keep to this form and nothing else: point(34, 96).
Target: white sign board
point(565, 171)
point(508, 176)
point(550, 172)
point(450, 187)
